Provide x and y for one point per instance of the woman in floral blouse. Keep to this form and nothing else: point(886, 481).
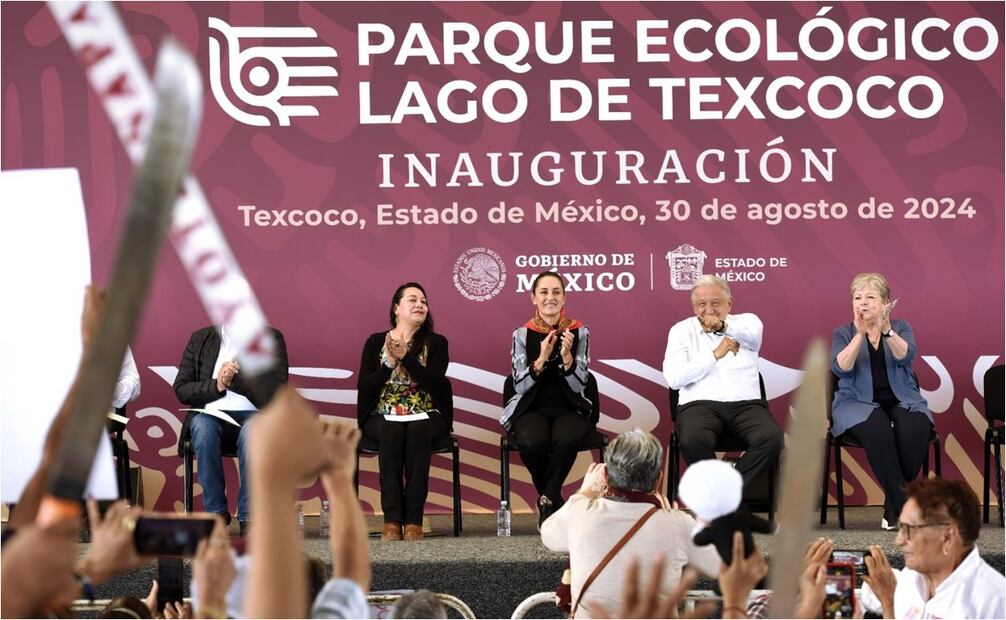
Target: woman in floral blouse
point(404, 403)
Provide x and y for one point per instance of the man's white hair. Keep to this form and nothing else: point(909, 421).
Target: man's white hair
point(711, 280)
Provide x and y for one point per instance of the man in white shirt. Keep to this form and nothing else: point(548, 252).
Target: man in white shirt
point(712, 360)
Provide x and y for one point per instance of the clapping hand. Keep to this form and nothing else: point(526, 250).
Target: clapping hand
point(394, 348)
point(567, 343)
point(226, 375)
point(885, 316)
point(547, 344)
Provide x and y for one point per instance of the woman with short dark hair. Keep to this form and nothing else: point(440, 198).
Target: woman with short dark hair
point(403, 402)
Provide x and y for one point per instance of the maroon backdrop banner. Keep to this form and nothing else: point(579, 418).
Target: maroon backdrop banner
point(349, 147)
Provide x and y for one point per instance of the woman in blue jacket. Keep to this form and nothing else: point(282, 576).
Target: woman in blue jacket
point(878, 401)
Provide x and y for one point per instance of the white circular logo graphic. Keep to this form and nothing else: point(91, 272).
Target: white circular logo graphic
point(479, 274)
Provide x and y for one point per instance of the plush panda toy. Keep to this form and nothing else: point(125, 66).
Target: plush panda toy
point(712, 490)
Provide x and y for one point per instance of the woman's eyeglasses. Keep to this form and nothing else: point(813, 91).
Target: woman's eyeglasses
point(907, 528)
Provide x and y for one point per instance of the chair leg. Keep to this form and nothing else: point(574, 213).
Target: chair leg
point(987, 483)
point(771, 492)
point(505, 471)
point(456, 454)
point(925, 465)
point(839, 486)
point(187, 499)
point(676, 463)
point(824, 481)
point(670, 482)
point(999, 479)
point(938, 457)
point(356, 475)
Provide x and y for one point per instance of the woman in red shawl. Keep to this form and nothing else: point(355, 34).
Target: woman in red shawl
point(549, 413)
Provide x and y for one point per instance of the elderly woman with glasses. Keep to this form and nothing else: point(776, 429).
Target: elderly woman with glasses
point(878, 401)
point(614, 496)
point(944, 574)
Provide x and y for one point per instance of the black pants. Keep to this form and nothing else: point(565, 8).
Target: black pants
point(404, 451)
point(700, 423)
point(548, 440)
point(896, 442)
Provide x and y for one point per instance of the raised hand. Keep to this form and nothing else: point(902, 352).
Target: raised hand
point(595, 481)
point(37, 570)
point(286, 439)
point(880, 577)
point(112, 550)
point(339, 444)
point(646, 602)
point(212, 572)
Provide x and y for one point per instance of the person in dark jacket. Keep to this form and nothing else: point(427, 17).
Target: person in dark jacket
point(210, 379)
point(404, 403)
point(549, 412)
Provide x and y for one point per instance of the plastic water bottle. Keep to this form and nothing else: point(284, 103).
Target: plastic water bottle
point(323, 519)
point(503, 520)
point(300, 518)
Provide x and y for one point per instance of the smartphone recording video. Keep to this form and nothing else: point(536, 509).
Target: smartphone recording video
point(170, 536)
point(839, 591)
point(851, 556)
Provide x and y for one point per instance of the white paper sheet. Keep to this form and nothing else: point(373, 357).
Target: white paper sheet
point(221, 415)
point(411, 417)
point(45, 265)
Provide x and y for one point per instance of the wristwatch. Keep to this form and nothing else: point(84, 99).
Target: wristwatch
point(888, 333)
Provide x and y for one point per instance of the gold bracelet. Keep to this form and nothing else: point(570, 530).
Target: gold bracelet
point(211, 612)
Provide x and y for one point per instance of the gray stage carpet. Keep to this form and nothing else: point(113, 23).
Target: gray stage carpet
point(493, 575)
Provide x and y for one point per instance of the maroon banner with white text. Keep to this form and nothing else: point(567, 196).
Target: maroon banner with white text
point(347, 148)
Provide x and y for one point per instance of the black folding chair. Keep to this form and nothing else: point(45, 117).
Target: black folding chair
point(994, 437)
point(845, 440)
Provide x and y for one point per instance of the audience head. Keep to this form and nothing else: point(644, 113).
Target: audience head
point(548, 294)
point(939, 524)
point(711, 297)
point(126, 607)
point(409, 304)
point(419, 604)
point(634, 461)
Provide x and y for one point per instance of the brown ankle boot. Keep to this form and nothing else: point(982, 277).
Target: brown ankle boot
point(392, 531)
point(413, 532)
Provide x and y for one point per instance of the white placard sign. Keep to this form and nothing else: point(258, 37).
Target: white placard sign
point(45, 265)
